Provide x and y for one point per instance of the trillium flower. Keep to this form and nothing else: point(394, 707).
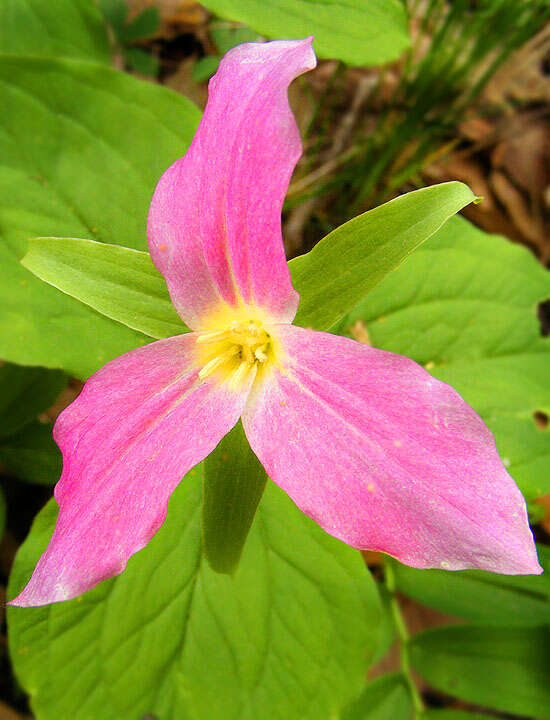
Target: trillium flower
point(367, 443)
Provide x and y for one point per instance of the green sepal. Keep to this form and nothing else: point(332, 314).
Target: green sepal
point(353, 259)
point(234, 482)
point(118, 282)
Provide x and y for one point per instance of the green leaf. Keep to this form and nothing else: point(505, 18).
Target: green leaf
point(227, 36)
point(115, 12)
point(525, 449)
point(25, 393)
point(234, 482)
point(536, 512)
point(204, 68)
point(502, 668)
point(142, 26)
point(386, 698)
point(464, 306)
point(38, 325)
point(82, 148)
point(118, 282)
point(141, 61)
point(349, 262)
point(365, 33)
point(507, 392)
point(387, 628)
point(289, 635)
point(482, 597)
point(64, 28)
point(32, 455)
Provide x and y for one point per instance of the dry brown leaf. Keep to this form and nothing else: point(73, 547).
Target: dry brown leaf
point(525, 157)
point(359, 332)
point(8, 548)
point(545, 502)
point(522, 77)
point(65, 398)
point(7, 713)
point(417, 618)
point(372, 558)
point(517, 208)
point(468, 170)
point(172, 13)
point(476, 128)
point(182, 82)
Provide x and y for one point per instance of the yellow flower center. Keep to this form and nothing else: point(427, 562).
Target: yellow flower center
point(233, 352)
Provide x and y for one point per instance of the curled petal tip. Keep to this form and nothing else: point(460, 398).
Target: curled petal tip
point(214, 226)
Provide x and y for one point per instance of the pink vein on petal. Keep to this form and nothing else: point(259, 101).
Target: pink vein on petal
point(385, 457)
point(138, 426)
point(214, 225)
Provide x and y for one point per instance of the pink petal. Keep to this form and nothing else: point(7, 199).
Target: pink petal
point(138, 426)
point(385, 457)
point(215, 220)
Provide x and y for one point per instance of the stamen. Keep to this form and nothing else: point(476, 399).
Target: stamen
point(235, 351)
point(215, 363)
point(240, 374)
point(213, 336)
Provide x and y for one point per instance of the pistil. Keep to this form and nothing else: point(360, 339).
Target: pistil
point(234, 351)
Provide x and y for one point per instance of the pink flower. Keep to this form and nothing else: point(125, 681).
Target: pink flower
point(367, 443)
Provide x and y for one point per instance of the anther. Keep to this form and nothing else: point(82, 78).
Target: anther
point(240, 347)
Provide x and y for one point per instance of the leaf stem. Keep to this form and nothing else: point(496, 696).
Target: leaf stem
point(403, 635)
